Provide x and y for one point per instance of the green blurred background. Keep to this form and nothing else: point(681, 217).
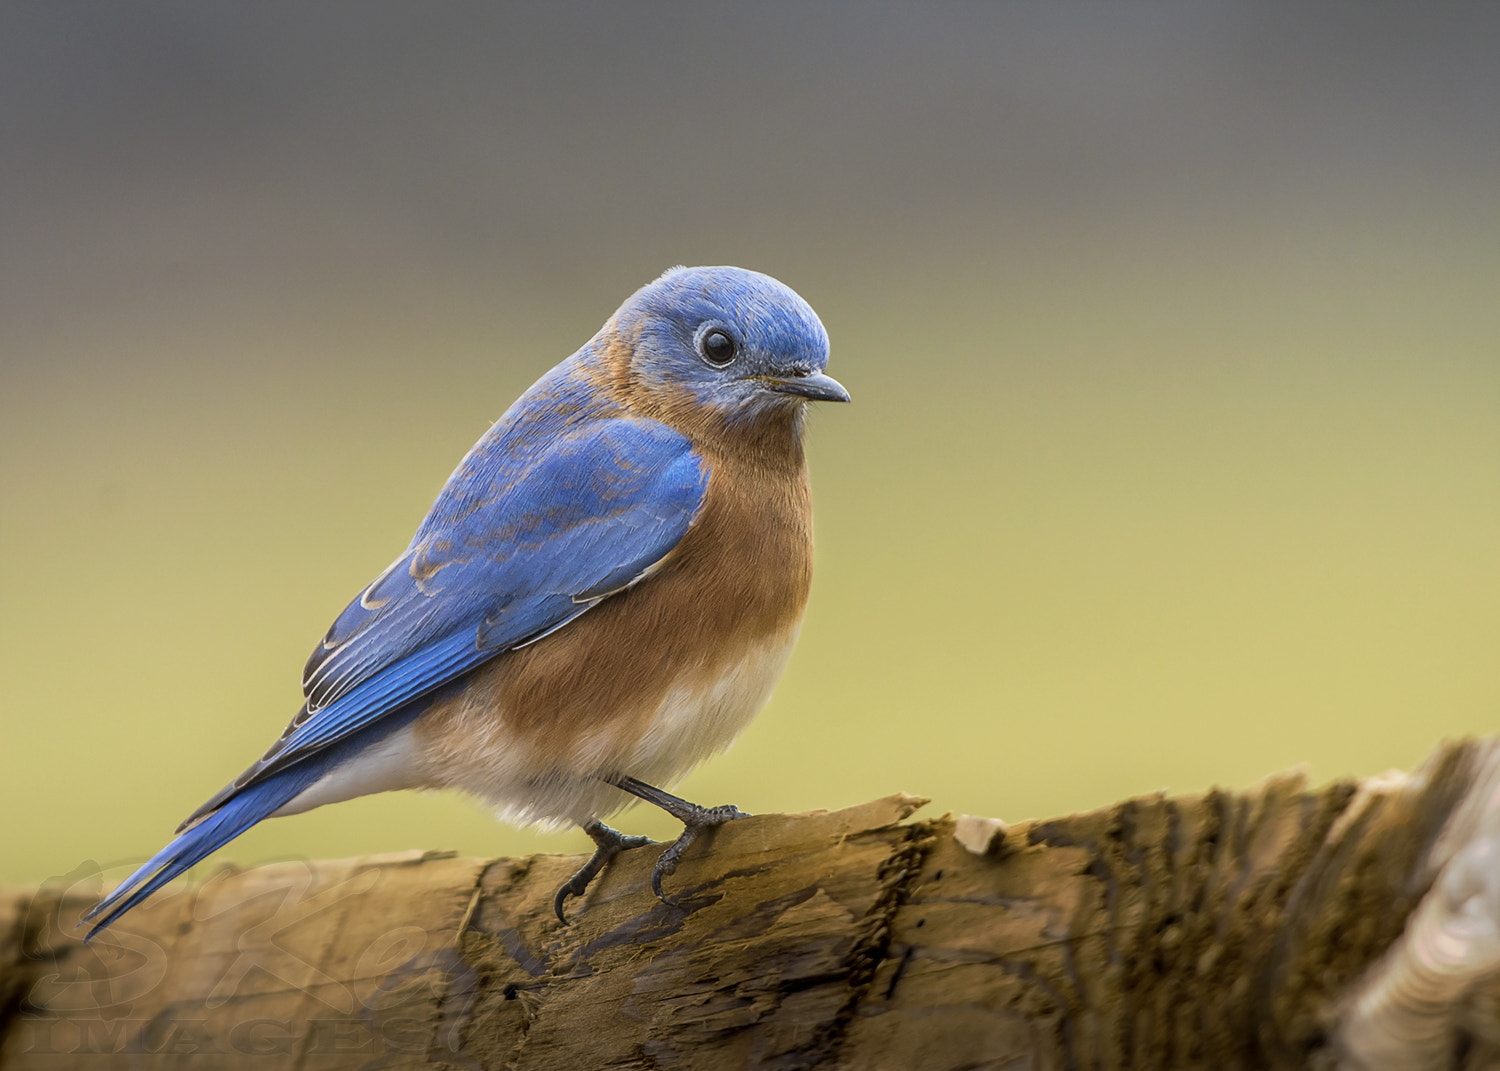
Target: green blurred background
point(1173, 333)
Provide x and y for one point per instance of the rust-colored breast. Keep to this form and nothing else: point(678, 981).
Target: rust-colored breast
point(739, 578)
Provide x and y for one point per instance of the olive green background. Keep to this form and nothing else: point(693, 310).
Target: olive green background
point(1173, 333)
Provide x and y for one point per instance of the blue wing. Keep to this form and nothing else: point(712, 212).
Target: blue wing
point(503, 558)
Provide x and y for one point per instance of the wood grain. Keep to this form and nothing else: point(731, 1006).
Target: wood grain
point(1224, 930)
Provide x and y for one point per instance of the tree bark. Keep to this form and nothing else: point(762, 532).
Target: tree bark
point(1354, 925)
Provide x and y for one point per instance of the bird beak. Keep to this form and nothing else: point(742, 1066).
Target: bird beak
point(815, 387)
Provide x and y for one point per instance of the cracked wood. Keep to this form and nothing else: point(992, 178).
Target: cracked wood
point(1221, 930)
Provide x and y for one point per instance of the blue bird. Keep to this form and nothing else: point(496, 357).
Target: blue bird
point(603, 595)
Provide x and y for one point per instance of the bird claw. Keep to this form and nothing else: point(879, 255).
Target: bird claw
point(695, 818)
point(694, 822)
point(611, 842)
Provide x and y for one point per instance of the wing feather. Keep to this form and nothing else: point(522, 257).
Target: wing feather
point(585, 519)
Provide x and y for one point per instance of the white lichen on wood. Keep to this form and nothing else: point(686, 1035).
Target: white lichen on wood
point(1409, 1013)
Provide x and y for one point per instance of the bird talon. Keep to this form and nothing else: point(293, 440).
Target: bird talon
point(559, 902)
point(695, 819)
point(611, 842)
point(667, 862)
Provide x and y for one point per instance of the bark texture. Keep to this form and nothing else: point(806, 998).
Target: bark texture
point(1260, 929)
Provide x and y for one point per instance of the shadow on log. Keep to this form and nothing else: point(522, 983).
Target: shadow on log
point(1353, 925)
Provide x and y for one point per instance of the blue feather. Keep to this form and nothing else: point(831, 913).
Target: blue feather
point(600, 505)
point(520, 541)
point(223, 825)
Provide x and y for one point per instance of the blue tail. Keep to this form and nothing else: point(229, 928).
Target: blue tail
point(221, 827)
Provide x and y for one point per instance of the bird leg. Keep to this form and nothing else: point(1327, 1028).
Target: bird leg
point(611, 842)
point(694, 818)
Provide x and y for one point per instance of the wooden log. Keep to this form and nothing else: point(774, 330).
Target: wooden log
point(1266, 928)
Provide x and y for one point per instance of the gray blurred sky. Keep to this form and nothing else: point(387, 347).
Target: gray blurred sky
point(158, 155)
point(1171, 328)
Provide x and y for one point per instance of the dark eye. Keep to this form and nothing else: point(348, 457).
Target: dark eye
point(718, 347)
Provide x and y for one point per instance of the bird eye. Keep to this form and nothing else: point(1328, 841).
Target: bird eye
point(718, 347)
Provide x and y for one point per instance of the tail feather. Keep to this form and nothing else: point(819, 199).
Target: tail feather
point(212, 832)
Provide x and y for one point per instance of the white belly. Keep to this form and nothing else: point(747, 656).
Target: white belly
point(695, 721)
point(700, 716)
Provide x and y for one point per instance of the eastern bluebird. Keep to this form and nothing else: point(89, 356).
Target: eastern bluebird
point(602, 596)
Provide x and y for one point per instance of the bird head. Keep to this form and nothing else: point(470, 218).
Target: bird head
point(724, 345)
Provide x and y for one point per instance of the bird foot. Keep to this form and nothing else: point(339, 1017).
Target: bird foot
point(611, 842)
point(694, 821)
point(694, 817)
